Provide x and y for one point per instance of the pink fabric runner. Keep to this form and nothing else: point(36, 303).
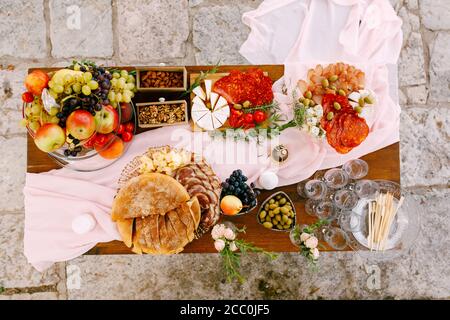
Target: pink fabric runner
point(298, 33)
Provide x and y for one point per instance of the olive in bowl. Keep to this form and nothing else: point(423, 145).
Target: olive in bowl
point(277, 212)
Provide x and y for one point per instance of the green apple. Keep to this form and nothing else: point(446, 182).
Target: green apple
point(50, 137)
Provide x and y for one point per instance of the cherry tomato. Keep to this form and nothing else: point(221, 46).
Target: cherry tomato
point(120, 129)
point(250, 125)
point(236, 121)
point(248, 118)
point(27, 97)
point(127, 136)
point(259, 116)
point(129, 127)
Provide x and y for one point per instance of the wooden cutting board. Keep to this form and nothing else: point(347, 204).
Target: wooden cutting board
point(383, 164)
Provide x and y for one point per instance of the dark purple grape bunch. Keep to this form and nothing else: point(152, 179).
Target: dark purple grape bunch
point(103, 78)
point(236, 185)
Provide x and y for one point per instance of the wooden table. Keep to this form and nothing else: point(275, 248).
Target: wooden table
point(383, 164)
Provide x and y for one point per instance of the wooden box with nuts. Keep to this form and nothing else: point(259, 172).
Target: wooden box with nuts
point(160, 114)
point(162, 79)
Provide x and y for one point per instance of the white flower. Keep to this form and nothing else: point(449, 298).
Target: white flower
point(311, 242)
point(218, 231)
point(304, 236)
point(310, 112)
point(315, 253)
point(314, 131)
point(229, 234)
point(311, 121)
point(318, 109)
point(233, 246)
point(219, 244)
point(354, 96)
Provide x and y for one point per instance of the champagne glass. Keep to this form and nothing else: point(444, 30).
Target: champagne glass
point(326, 210)
point(315, 189)
point(336, 178)
point(345, 199)
point(349, 221)
point(356, 169)
point(335, 237)
point(310, 207)
point(366, 189)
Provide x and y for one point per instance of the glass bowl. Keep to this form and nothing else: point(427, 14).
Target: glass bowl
point(294, 219)
point(88, 159)
point(404, 230)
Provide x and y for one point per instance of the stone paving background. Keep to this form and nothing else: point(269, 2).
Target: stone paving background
point(123, 32)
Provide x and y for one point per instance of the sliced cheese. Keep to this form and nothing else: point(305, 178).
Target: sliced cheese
point(199, 101)
point(216, 122)
point(221, 103)
point(206, 122)
point(220, 117)
point(214, 97)
point(223, 111)
point(199, 92)
point(198, 111)
point(208, 86)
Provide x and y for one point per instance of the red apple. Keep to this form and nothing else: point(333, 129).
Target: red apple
point(106, 120)
point(126, 112)
point(80, 124)
point(113, 149)
point(50, 137)
point(36, 81)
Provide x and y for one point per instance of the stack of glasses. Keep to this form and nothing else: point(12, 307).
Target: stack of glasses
point(333, 195)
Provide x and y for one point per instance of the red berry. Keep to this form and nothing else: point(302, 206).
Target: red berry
point(129, 127)
point(27, 97)
point(248, 118)
point(127, 136)
point(90, 142)
point(120, 129)
point(259, 116)
point(100, 140)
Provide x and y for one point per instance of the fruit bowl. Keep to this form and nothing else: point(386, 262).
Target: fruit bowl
point(237, 197)
point(89, 158)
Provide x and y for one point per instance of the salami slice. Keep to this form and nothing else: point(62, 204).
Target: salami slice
point(355, 131)
point(239, 86)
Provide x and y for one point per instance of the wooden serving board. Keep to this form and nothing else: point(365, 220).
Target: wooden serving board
point(383, 164)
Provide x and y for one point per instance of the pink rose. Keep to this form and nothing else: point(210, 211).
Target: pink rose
point(311, 242)
point(229, 234)
point(233, 246)
point(219, 244)
point(304, 236)
point(218, 231)
point(315, 253)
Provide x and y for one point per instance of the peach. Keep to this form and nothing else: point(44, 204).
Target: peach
point(36, 81)
point(113, 149)
point(230, 205)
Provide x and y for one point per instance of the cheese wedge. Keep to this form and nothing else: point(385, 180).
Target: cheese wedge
point(221, 103)
point(208, 86)
point(206, 122)
point(214, 98)
point(198, 91)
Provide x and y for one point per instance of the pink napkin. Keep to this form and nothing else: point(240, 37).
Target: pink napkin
point(298, 33)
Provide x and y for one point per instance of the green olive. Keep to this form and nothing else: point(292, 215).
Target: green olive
point(262, 214)
point(279, 226)
point(271, 214)
point(271, 201)
point(246, 104)
point(286, 226)
point(276, 210)
point(289, 221)
point(341, 92)
point(278, 197)
point(266, 207)
point(273, 206)
point(361, 102)
point(268, 225)
point(337, 106)
point(368, 100)
point(306, 102)
point(308, 94)
point(330, 116)
point(278, 217)
point(274, 221)
point(333, 88)
point(283, 201)
point(358, 109)
point(237, 106)
point(325, 83)
point(285, 218)
point(268, 219)
point(284, 210)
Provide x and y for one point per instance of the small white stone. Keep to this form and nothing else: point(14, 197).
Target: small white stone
point(268, 180)
point(83, 224)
